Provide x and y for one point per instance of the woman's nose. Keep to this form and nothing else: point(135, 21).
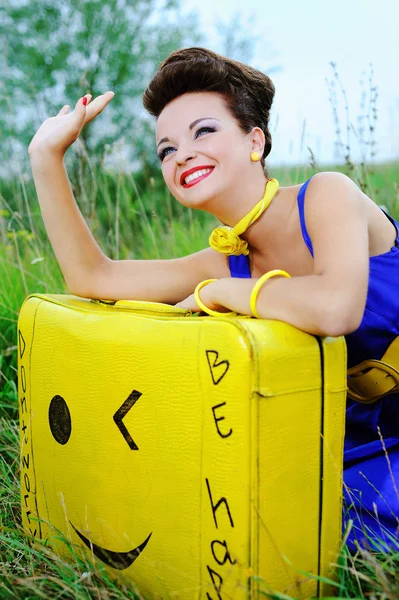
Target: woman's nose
point(183, 156)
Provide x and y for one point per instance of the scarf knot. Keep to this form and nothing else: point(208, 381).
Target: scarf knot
point(225, 240)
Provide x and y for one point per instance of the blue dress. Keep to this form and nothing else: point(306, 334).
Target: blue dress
point(371, 475)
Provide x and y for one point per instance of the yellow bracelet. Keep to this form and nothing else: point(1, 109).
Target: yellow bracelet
point(202, 306)
point(258, 285)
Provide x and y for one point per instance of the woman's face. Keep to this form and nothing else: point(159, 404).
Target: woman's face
point(202, 149)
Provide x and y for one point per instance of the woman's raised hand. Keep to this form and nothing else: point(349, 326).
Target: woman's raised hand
point(56, 134)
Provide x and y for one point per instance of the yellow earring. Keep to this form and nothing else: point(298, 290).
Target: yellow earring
point(255, 156)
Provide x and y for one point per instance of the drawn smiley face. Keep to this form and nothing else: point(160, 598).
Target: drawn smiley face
point(60, 422)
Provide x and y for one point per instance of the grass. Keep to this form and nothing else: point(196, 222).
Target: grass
point(129, 221)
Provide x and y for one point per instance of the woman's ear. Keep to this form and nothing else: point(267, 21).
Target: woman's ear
point(257, 140)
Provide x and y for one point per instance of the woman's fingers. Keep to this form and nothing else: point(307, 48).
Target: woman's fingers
point(92, 109)
point(97, 105)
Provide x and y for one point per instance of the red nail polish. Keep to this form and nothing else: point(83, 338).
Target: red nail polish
point(84, 101)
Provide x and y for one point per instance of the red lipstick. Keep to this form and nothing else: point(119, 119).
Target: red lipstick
point(193, 170)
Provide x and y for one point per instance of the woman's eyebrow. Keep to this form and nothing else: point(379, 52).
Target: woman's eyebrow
point(193, 124)
point(165, 139)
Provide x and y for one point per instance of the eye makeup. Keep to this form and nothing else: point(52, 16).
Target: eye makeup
point(199, 132)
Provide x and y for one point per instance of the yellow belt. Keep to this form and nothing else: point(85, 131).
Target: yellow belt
point(372, 379)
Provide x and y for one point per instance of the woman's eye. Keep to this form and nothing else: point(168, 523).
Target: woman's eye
point(205, 130)
point(164, 153)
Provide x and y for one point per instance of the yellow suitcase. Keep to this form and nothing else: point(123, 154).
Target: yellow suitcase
point(199, 457)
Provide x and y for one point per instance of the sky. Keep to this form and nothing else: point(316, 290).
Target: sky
point(298, 39)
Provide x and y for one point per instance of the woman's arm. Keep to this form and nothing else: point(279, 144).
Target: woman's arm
point(309, 303)
point(88, 272)
point(75, 248)
point(331, 301)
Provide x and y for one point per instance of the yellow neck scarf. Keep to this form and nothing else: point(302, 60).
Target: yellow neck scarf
point(226, 239)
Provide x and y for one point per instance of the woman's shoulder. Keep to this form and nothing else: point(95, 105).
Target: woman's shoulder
point(331, 178)
point(332, 188)
point(327, 182)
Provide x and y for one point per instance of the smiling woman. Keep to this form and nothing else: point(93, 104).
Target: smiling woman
point(329, 255)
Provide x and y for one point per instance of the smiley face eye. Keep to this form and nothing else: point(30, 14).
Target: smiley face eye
point(60, 420)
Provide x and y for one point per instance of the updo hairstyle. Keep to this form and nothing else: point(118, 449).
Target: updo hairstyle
point(248, 93)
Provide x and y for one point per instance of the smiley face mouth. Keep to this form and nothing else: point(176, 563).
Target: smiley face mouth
point(116, 560)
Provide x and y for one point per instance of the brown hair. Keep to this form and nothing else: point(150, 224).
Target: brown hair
point(248, 93)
